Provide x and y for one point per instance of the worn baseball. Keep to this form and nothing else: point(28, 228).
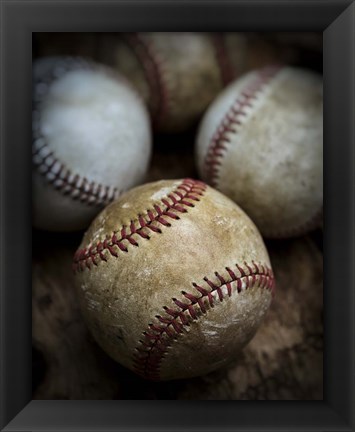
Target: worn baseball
point(91, 141)
point(261, 144)
point(177, 74)
point(173, 279)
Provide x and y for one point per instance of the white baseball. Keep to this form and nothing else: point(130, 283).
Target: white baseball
point(261, 144)
point(91, 141)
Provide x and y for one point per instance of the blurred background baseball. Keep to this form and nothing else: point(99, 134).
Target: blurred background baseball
point(91, 141)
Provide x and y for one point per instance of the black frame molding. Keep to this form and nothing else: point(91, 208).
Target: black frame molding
point(18, 20)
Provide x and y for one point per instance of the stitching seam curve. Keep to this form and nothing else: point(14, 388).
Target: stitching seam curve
point(223, 61)
point(154, 68)
point(150, 221)
point(234, 117)
point(173, 320)
point(44, 159)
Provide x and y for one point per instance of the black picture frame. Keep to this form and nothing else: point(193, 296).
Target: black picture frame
point(18, 20)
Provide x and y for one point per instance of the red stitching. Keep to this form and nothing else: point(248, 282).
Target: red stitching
point(222, 57)
point(84, 258)
point(220, 140)
point(160, 335)
point(154, 68)
point(43, 158)
point(230, 122)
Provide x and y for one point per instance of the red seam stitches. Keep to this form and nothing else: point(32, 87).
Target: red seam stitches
point(153, 66)
point(222, 57)
point(183, 197)
point(231, 120)
point(44, 159)
point(172, 321)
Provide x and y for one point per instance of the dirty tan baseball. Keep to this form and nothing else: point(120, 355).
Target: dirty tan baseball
point(261, 144)
point(177, 74)
point(91, 141)
point(173, 279)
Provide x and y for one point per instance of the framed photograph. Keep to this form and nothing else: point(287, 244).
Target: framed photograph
point(170, 69)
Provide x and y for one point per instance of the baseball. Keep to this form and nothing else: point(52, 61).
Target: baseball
point(173, 279)
point(261, 144)
point(177, 74)
point(91, 141)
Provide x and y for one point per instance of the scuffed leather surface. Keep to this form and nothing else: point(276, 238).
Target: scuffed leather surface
point(273, 164)
point(121, 296)
point(190, 71)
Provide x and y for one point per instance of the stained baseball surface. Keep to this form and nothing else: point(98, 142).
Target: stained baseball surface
point(173, 279)
point(91, 141)
point(177, 74)
point(261, 144)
